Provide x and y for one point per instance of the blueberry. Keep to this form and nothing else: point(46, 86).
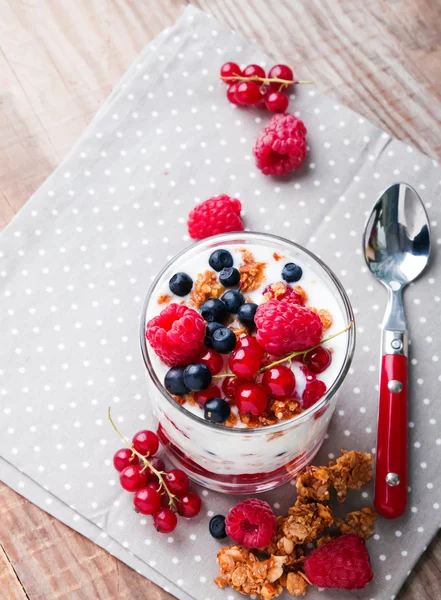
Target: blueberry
point(233, 300)
point(214, 309)
point(216, 410)
point(217, 527)
point(291, 272)
point(209, 331)
point(197, 377)
point(174, 381)
point(220, 259)
point(223, 340)
point(246, 313)
point(229, 277)
point(180, 284)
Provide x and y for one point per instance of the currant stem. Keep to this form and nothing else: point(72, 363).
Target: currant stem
point(285, 82)
point(224, 375)
point(293, 354)
point(147, 464)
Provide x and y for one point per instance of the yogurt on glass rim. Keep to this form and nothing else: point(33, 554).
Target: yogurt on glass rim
point(240, 458)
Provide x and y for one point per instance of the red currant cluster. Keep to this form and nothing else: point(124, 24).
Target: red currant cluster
point(252, 87)
point(159, 493)
point(250, 384)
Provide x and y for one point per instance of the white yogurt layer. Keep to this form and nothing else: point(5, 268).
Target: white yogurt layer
point(320, 295)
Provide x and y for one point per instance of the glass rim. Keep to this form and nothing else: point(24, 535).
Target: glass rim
point(277, 427)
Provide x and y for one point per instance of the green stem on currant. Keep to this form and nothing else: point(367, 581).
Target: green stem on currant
point(147, 465)
point(284, 82)
point(223, 375)
point(298, 353)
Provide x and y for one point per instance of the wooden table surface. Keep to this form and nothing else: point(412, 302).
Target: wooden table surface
point(58, 62)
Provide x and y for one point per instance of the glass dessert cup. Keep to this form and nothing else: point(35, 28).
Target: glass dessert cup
point(243, 460)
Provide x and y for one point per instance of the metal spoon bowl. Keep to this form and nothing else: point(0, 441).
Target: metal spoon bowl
point(396, 245)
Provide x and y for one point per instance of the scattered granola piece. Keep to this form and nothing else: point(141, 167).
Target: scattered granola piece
point(179, 399)
point(352, 471)
point(252, 273)
point(249, 420)
point(284, 409)
point(280, 290)
point(296, 584)
point(206, 286)
point(325, 318)
point(359, 522)
point(281, 545)
point(306, 521)
point(241, 570)
point(314, 483)
point(277, 256)
point(190, 399)
point(232, 420)
point(164, 299)
point(324, 540)
point(302, 293)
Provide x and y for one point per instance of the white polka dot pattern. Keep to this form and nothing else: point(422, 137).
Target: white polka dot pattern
point(77, 261)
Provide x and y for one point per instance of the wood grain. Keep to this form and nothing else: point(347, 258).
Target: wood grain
point(58, 63)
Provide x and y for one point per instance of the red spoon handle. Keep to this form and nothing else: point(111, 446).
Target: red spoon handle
point(391, 468)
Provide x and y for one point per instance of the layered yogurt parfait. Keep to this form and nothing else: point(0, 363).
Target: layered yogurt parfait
point(247, 338)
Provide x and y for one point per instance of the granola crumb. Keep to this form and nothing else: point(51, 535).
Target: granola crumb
point(249, 420)
point(284, 409)
point(190, 399)
point(277, 256)
point(252, 273)
point(164, 299)
point(179, 399)
point(306, 521)
point(302, 293)
point(352, 471)
point(296, 584)
point(232, 420)
point(314, 483)
point(206, 286)
point(241, 570)
point(359, 522)
point(325, 539)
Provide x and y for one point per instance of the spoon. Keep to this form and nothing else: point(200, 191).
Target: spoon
point(396, 243)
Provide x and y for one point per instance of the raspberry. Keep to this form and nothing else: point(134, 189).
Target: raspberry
point(176, 334)
point(216, 215)
point(281, 146)
point(343, 564)
point(251, 523)
point(282, 291)
point(284, 327)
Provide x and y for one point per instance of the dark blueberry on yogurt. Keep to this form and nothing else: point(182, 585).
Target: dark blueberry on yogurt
point(291, 272)
point(180, 284)
point(174, 381)
point(224, 340)
point(217, 527)
point(246, 313)
point(233, 300)
point(229, 277)
point(209, 332)
point(219, 259)
point(214, 309)
point(216, 410)
point(197, 377)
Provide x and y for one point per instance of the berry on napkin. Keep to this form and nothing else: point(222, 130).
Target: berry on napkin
point(219, 214)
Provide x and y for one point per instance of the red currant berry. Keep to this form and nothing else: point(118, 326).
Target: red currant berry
point(248, 93)
point(279, 382)
point(231, 93)
point(229, 69)
point(146, 442)
point(165, 520)
point(176, 481)
point(276, 102)
point(318, 360)
point(253, 71)
point(204, 395)
point(189, 505)
point(251, 399)
point(280, 72)
point(158, 464)
point(132, 479)
point(155, 485)
point(314, 390)
point(147, 501)
point(213, 360)
point(124, 458)
point(230, 385)
point(245, 360)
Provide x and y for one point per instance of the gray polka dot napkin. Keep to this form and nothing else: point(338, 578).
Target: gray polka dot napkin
point(78, 259)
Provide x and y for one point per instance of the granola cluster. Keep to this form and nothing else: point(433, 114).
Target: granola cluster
point(308, 520)
point(206, 286)
point(252, 273)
